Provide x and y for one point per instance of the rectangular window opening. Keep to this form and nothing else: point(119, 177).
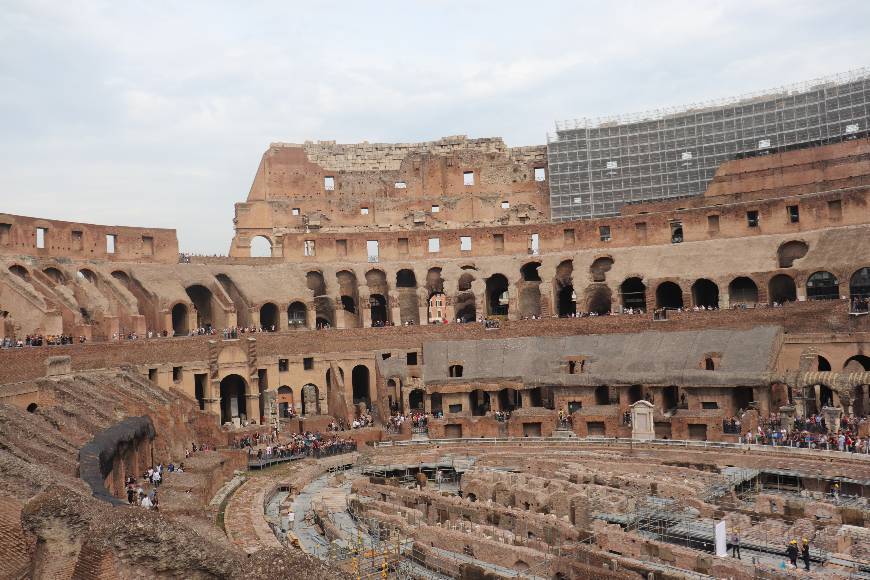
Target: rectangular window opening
point(498, 242)
point(111, 243)
point(411, 359)
point(465, 243)
point(403, 246)
point(283, 365)
point(41, 233)
point(794, 215)
point(176, 374)
point(505, 205)
point(77, 239)
point(400, 185)
point(308, 247)
point(436, 208)
point(713, 223)
point(295, 211)
point(604, 233)
point(308, 363)
point(468, 178)
point(329, 183)
point(373, 250)
point(148, 245)
point(752, 219)
point(569, 237)
point(540, 174)
point(341, 247)
point(364, 211)
point(434, 245)
point(534, 244)
point(676, 232)
point(835, 209)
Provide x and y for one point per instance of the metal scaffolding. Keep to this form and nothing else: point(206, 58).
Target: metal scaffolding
point(596, 166)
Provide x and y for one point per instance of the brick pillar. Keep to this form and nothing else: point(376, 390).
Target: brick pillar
point(365, 310)
point(310, 315)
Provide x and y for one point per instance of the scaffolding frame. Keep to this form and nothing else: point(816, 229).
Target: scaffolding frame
point(596, 166)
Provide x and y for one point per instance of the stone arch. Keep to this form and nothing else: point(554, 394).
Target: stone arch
point(348, 291)
point(563, 284)
point(202, 301)
point(233, 389)
point(823, 285)
point(310, 399)
point(261, 247)
point(434, 281)
point(269, 316)
point(465, 304)
point(20, 271)
point(243, 309)
point(297, 315)
point(781, 289)
point(705, 293)
point(790, 251)
point(859, 283)
point(497, 298)
point(284, 396)
point(823, 365)
point(416, 399)
point(669, 295)
point(87, 275)
point(633, 293)
point(58, 277)
point(529, 290)
point(406, 291)
point(465, 281)
point(742, 290)
point(599, 298)
point(361, 386)
point(857, 363)
point(180, 323)
point(600, 267)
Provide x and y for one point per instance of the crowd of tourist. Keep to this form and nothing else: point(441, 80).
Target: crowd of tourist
point(153, 477)
point(811, 432)
point(860, 304)
point(502, 416)
point(418, 420)
point(308, 444)
point(40, 340)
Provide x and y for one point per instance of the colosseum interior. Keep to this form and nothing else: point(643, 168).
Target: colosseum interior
point(427, 376)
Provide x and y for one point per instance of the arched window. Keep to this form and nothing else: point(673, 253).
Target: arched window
point(823, 286)
point(705, 293)
point(742, 290)
point(261, 247)
point(633, 292)
point(859, 283)
point(297, 315)
point(781, 289)
point(669, 295)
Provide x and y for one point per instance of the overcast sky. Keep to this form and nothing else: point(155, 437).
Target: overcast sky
point(156, 113)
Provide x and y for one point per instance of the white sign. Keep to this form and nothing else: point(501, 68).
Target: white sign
point(721, 543)
point(764, 144)
point(612, 165)
point(852, 128)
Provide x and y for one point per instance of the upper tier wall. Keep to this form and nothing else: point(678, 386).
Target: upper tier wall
point(19, 236)
point(452, 182)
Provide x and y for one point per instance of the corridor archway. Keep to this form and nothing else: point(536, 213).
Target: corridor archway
point(742, 290)
point(497, 300)
point(202, 302)
point(360, 380)
point(823, 286)
point(269, 317)
point(705, 293)
point(781, 289)
point(180, 325)
point(669, 295)
point(297, 315)
point(633, 293)
point(233, 402)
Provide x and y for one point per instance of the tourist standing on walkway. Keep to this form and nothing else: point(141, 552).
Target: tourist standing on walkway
point(805, 554)
point(792, 552)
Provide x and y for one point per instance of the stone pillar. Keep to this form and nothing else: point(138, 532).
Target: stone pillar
point(478, 288)
point(365, 309)
point(762, 397)
point(283, 323)
point(427, 403)
point(252, 407)
point(395, 309)
point(787, 414)
point(642, 425)
point(832, 417)
point(494, 403)
point(513, 301)
point(310, 315)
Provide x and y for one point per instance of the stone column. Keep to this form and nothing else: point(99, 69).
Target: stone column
point(762, 397)
point(252, 407)
point(283, 324)
point(394, 308)
point(513, 301)
point(310, 315)
point(832, 417)
point(365, 309)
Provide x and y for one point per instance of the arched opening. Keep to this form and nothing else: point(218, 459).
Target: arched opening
point(791, 251)
point(600, 267)
point(297, 315)
point(349, 292)
point(781, 289)
point(509, 399)
point(285, 402)
point(823, 365)
point(669, 295)
point(437, 404)
point(602, 395)
point(817, 397)
point(520, 566)
point(497, 300)
point(269, 317)
point(243, 308)
point(232, 392)
point(465, 305)
point(329, 376)
point(121, 277)
point(742, 290)
point(202, 300)
point(823, 286)
point(180, 325)
point(434, 281)
point(378, 309)
point(394, 395)
point(32, 407)
point(360, 379)
point(87, 275)
point(20, 271)
point(261, 247)
point(310, 400)
point(315, 282)
point(406, 291)
point(57, 277)
point(566, 298)
point(455, 371)
point(479, 402)
point(859, 284)
point(669, 398)
point(635, 394)
point(633, 293)
point(529, 272)
point(856, 364)
point(416, 399)
point(598, 299)
point(705, 293)
point(709, 364)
